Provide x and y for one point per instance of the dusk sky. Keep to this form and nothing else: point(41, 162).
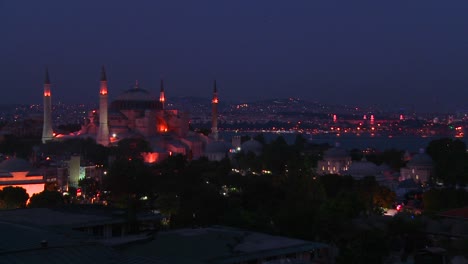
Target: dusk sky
point(389, 53)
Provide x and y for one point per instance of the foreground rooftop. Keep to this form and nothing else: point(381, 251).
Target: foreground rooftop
point(224, 245)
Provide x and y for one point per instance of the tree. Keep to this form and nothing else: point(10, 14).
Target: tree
point(367, 246)
point(276, 155)
point(20, 147)
point(46, 199)
point(436, 200)
point(129, 178)
point(297, 211)
point(13, 197)
point(86, 147)
point(89, 186)
point(451, 160)
point(260, 138)
point(300, 142)
point(131, 148)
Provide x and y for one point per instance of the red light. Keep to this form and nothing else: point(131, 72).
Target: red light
point(399, 207)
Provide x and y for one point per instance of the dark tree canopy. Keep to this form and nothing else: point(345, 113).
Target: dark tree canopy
point(46, 199)
point(13, 197)
point(20, 147)
point(129, 177)
point(451, 160)
point(87, 148)
point(131, 148)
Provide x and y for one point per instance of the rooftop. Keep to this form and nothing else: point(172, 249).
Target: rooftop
point(67, 216)
point(44, 235)
point(38, 244)
point(218, 245)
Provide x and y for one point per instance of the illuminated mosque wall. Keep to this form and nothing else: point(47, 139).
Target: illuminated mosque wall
point(136, 113)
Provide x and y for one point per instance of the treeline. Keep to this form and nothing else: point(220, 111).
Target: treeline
point(288, 200)
point(16, 197)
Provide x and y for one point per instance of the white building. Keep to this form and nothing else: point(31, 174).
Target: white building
point(335, 161)
point(420, 168)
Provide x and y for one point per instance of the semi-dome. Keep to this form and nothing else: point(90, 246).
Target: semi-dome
point(253, 146)
point(15, 164)
point(135, 98)
point(217, 147)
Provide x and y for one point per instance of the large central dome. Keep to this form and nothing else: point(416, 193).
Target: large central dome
point(135, 98)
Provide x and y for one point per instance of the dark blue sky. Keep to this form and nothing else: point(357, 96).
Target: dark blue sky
point(391, 53)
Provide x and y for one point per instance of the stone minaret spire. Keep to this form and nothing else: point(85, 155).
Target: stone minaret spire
point(214, 113)
point(103, 132)
point(162, 97)
point(47, 132)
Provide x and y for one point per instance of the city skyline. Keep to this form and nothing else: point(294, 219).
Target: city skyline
point(402, 54)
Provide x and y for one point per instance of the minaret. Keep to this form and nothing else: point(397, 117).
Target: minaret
point(47, 132)
point(214, 113)
point(162, 97)
point(103, 132)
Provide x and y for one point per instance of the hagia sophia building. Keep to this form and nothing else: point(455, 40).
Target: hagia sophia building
point(136, 113)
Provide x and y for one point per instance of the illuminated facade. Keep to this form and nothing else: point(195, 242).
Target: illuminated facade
point(19, 173)
point(136, 113)
point(420, 168)
point(335, 161)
